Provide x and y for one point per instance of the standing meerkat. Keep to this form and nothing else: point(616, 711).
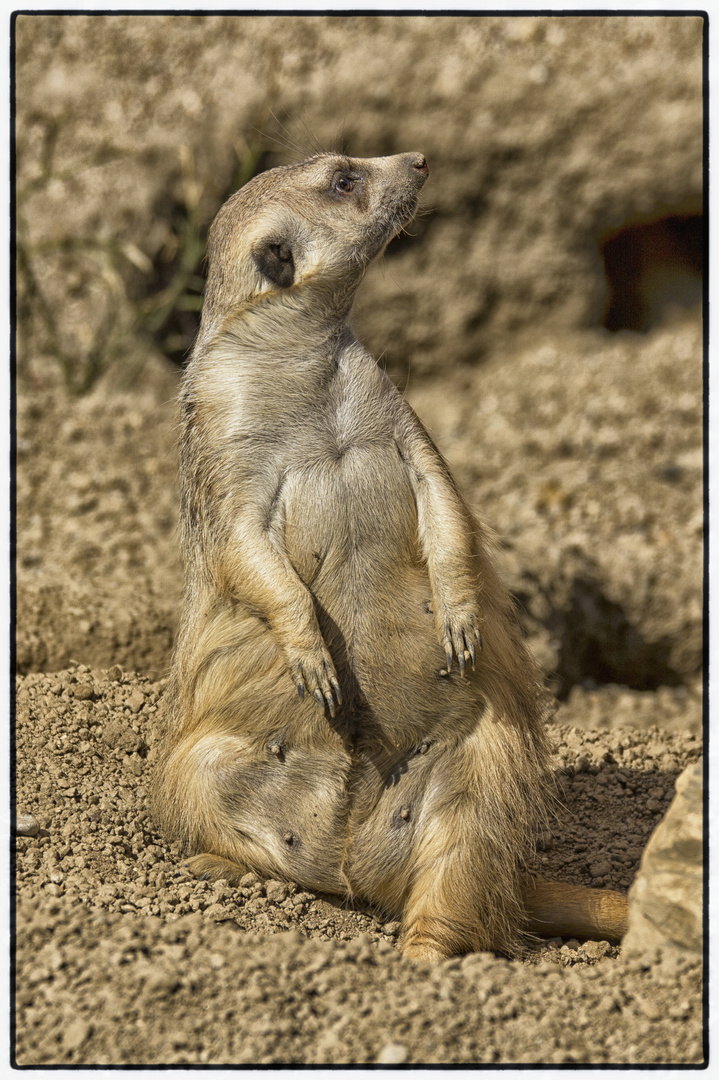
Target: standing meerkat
point(352, 706)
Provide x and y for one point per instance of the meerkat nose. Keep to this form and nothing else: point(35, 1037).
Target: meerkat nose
point(420, 164)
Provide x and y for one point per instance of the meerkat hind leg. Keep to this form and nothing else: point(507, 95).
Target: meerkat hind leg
point(553, 909)
point(208, 867)
point(445, 916)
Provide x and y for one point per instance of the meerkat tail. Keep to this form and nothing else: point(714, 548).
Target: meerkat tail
point(554, 908)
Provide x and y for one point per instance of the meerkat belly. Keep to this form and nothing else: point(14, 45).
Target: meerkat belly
point(393, 797)
point(352, 534)
point(398, 802)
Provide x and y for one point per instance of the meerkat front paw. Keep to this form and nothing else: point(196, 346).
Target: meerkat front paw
point(458, 632)
point(313, 670)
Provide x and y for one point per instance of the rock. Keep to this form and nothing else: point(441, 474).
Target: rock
point(76, 1033)
point(26, 825)
point(84, 690)
point(595, 950)
point(135, 701)
point(393, 1054)
point(120, 736)
point(665, 901)
point(649, 1008)
point(276, 891)
point(218, 912)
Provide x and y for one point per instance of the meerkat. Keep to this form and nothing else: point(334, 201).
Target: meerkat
point(352, 706)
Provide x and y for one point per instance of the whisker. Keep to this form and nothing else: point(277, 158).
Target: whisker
point(277, 141)
point(285, 137)
point(339, 143)
point(312, 140)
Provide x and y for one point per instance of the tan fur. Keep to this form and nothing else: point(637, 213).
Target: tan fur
point(323, 726)
point(575, 910)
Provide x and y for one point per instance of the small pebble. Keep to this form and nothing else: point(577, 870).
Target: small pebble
point(84, 691)
point(595, 950)
point(276, 891)
point(650, 1009)
point(75, 1034)
point(135, 701)
point(26, 825)
point(218, 912)
point(392, 1054)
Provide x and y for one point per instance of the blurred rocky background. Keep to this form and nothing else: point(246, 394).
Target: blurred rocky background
point(566, 197)
point(543, 313)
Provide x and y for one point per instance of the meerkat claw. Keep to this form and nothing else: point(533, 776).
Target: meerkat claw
point(337, 689)
point(319, 697)
point(300, 689)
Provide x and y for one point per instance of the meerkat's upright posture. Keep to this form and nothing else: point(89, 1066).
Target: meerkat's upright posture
point(352, 707)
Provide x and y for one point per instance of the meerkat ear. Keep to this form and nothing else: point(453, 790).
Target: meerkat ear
point(274, 260)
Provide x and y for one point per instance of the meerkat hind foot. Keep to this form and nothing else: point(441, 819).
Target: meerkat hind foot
point(424, 950)
point(214, 868)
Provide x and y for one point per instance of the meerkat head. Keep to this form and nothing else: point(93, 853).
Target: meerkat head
point(309, 228)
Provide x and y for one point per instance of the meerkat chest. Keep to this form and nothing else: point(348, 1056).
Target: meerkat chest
point(352, 503)
point(348, 498)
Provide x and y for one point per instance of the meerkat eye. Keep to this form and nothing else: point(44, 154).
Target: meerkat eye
point(345, 184)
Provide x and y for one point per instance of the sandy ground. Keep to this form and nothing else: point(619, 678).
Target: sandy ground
point(123, 958)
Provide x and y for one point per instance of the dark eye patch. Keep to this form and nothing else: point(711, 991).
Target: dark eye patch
point(275, 261)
